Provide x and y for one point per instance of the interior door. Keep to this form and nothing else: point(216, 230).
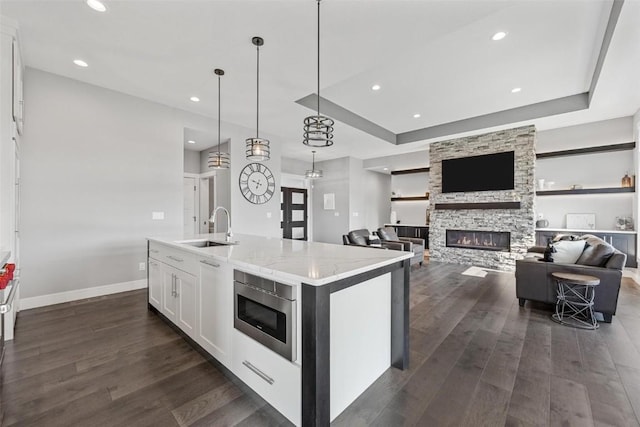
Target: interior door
point(294, 213)
point(190, 219)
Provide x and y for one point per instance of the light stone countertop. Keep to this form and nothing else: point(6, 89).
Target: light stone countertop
point(294, 261)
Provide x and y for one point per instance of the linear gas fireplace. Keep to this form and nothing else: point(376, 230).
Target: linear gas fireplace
point(482, 240)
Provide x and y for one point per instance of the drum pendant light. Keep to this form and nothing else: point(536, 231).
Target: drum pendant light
point(313, 173)
point(218, 159)
point(318, 129)
point(257, 149)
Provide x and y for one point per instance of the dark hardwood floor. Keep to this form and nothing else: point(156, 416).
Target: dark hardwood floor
point(477, 358)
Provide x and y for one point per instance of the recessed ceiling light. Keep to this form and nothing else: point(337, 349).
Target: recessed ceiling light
point(96, 5)
point(499, 36)
point(375, 87)
point(416, 116)
point(191, 141)
point(195, 99)
point(516, 90)
point(80, 63)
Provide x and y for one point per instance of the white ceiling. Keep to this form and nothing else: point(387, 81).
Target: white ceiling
point(435, 58)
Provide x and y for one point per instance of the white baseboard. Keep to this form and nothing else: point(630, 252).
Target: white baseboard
point(50, 299)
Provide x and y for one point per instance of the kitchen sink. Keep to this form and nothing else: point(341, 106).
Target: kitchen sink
point(206, 243)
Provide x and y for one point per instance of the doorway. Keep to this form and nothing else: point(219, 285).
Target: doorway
point(294, 208)
point(190, 192)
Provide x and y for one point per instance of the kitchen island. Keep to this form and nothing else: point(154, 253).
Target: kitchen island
point(349, 309)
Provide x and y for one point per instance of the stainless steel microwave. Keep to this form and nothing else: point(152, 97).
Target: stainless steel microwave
point(265, 310)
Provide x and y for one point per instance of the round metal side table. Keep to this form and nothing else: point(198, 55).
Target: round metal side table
point(574, 303)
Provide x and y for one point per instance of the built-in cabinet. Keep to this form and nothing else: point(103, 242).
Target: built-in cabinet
point(624, 242)
point(169, 277)
point(195, 293)
point(410, 195)
point(215, 308)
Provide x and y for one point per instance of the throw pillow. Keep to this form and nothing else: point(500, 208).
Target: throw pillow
point(596, 254)
point(568, 251)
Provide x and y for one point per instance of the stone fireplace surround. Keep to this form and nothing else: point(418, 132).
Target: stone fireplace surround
point(499, 211)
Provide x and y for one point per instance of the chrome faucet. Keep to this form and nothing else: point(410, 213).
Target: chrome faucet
point(213, 219)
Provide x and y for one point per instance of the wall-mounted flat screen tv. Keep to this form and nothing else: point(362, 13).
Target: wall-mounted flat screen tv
point(490, 172)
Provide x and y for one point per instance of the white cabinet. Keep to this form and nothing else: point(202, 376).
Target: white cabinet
point(273, 377)
point(179, 298)
point(155, 284)
point(185, 285)
point(172, 290)
point(215, 308)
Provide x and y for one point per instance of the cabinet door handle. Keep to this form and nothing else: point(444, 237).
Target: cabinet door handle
point(209, 263)
point(258, 372)
point(173, 285)
point(153, 264)
point(175, 258)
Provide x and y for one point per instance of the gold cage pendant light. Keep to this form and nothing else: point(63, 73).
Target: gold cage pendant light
point(218, 159)
point(257, 149)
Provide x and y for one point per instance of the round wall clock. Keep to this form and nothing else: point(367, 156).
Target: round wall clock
point(257, 183)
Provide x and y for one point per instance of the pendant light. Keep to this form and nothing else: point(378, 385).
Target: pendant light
point(257, 148)
point(313, 173)
point(218, 159)
point(318, 129)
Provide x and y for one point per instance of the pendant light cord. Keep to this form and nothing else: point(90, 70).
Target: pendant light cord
point(318, 58)
point(257, 89)
point(218, 115)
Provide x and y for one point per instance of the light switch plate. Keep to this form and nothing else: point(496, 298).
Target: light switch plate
point(157, 215)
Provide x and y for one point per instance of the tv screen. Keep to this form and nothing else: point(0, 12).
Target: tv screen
point(478, 173)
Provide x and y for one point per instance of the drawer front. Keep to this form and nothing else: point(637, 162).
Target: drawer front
point(277, 380)
point(174, 257)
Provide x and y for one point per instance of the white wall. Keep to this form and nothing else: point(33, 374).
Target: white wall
point(377, 203)
point(327, 226)
point(590, 170)
point(95, 164)
point(261, 220)
point(295, 166)
point(191, 161)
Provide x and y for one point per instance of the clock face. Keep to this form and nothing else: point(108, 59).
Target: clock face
point(257, 183)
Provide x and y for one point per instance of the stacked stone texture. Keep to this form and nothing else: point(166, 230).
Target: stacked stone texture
point(519, 222)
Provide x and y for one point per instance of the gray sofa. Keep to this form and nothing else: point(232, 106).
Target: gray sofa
point(361, 238)
point(599, 259)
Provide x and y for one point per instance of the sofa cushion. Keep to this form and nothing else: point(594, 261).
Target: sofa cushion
point(359, 237)
point(560, 237)
point(567, 251)
point(387, 233)
point(597, 252)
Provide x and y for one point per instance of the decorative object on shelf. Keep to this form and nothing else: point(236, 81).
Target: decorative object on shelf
point(550, 185)
point(576, 187)
point(257, 183)
point(626, 180)
point(257, 149)
point(541, 184)
point(318, 129)
point(542, 223)
point(581, 221)
point(624, 223)
point(218, 159)
point(313, 173)
point(393, 218)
